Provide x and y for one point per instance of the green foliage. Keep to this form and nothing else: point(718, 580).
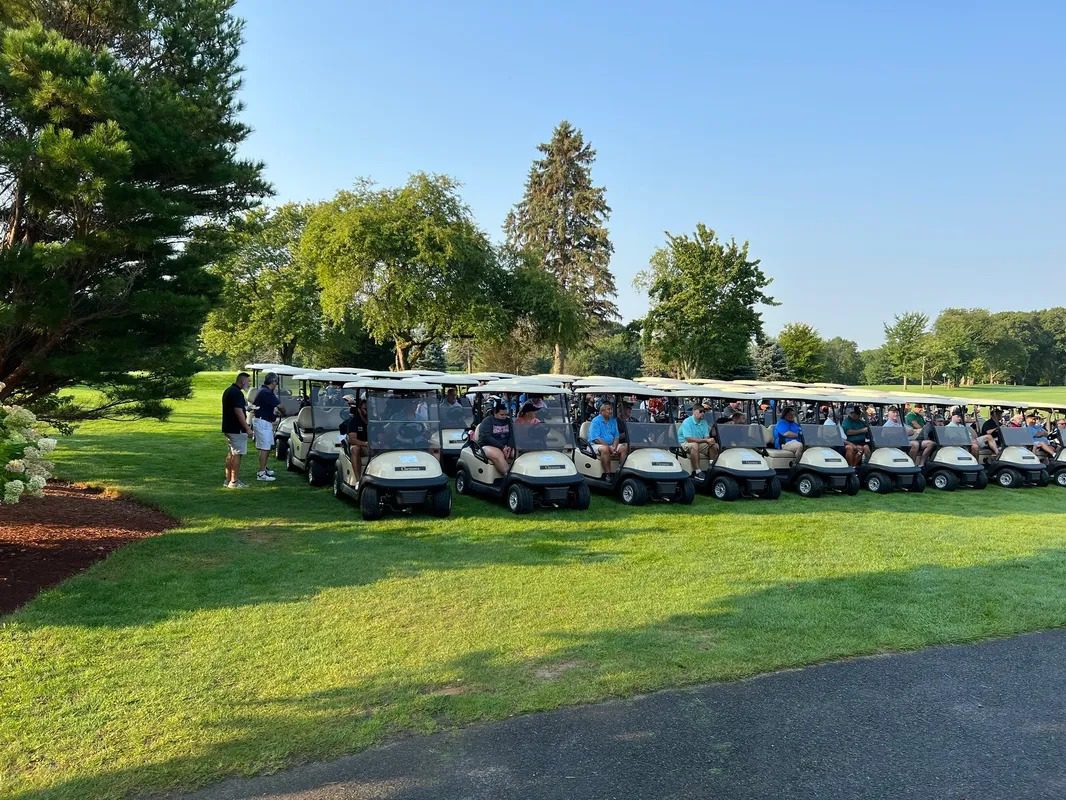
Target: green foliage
point(613, 350)
point(410, 259)
point(703, 295)
point(804, 351)
point(768, 361)
point(905, 344)
point(562, 220)
point(24, 467)
point(842, 362)
point(876, 368)
point(118, 140)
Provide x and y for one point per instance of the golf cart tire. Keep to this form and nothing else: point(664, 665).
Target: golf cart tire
point(290, 465)
point(725, 488)
point(945, 481)
point(370, 503)
point(688, 492)
point(582, 497)
point(879, 483)
point(338, 491)
point(462, 480)
point(982, 480)
point(1060, 477)
point(281, 449)
point(772, 490)
point(633, 492)
point(519, 499)
point(1009, 478)
point(853, 485)
point(318, 472)
point(917, 484)
point(440, 502)
point(809, 485)
point(1043, 478)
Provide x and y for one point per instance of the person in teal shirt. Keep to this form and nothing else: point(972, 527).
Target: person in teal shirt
point(695, 436)
point(855, 431)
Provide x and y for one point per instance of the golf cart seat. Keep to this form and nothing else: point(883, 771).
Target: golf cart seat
point(777, 459)
point(320, 420)
point(289, 405)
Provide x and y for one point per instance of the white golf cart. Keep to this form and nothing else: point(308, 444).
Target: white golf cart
point(542, 472)
point(455, 420)
point(312, 441)
point(1017, 464)
point(951, 463)
point(889, 466)
point(651, 469)
point(400, 469)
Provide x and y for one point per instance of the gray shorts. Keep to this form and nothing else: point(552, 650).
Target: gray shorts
point(238, 443)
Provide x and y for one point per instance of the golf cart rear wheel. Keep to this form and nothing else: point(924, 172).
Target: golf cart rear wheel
point(945, 481)
point(440, 502)
point(852, 487)
point(688, 492)
point(1060, 477)
point(318, 472)
point(1009, 478)
point(982, 480)
point(519, 499)
point(633, 492)
point(582, 497)
point(370, 503)
point(1043, 479)
point(725, 488)
point(462, 480)
point(917, 484)
point(878, 483)
point(809, 485)
point(281, 449)
point(290, 464)
point(772, 490)
point(338, 491)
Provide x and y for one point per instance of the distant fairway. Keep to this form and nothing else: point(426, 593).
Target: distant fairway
point(1021, 394)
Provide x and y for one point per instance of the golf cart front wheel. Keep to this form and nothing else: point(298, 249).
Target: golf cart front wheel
point(519, 499)
point(878, 483)
point(1043, 479)
point(440, 502)
point(1060, 477)
point(370, 503)
point(1009, 478)
point(281, 449)
point(582, 497)
point(982, 480)
point(462, 480)
point(917, 484)
point(851, 488)
point(688, 492)
point(725, 488)
point(772, 490)
point(633, 492)
point(290, 464)
point(338, 490)
point(945, 481)
point(318, 472)
point(809, 485)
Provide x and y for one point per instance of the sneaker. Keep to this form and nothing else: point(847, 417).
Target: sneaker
point(237, 485)
point(270, 472)
point(264, 476)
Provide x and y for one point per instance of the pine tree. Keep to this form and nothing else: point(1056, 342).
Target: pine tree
point(562, 219)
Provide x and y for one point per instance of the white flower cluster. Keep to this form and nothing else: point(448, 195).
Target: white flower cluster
point(22, 451)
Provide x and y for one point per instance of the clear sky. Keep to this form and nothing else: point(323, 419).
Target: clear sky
point(879, 157)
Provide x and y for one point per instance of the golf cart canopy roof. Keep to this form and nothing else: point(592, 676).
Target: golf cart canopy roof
point(320, 376)
point(416, 373)
point(623, 388)
point(561, 377)
point(277, 369)
point(345, 370)
point(491, 376)
point(451, 379)
point(271, 367)
point(812, 394)
point(392, 385)
point(718, 392)
point(516, 386)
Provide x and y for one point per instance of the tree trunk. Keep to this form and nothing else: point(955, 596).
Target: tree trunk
point(559, 360)
point(288, 350)
point(400, 362)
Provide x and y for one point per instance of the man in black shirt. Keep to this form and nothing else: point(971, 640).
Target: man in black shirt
point(236, 429)
point(266, 404)
point(355, 429)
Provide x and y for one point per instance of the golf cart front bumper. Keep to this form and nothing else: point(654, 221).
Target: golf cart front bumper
point(407, 491)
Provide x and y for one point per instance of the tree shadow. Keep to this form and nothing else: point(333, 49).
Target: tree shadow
point(769, 628)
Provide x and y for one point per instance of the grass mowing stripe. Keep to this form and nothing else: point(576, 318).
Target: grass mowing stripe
point(274, 626)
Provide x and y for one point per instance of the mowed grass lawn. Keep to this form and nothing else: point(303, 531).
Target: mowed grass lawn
point(274, 626)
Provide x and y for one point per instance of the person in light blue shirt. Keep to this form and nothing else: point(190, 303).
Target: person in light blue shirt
point(787, 433)
point(694, 435)
point(1041, 444)
point(605, 437)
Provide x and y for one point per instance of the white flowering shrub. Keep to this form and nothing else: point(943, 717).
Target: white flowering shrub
point(23, 454)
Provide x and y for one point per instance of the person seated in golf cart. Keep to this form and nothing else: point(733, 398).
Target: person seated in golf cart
point(1058, 436)
point(410, 430)
point(892, 420)
point(856, 432)
point(918, 431)
point(788, 434)
point(355, 430)
point(606, 438)
point(956, 421)
point(495, 435)
point(694, 434)
point(1042, 446)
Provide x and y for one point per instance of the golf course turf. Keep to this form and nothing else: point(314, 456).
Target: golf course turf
point(274, 626)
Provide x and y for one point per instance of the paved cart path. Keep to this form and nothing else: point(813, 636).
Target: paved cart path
point(977, 721)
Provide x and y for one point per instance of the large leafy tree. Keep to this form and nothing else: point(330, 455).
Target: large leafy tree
point(842, 363)
point(703, 297)
point(614, 349)
point(118, 162)
point(409, 259)
point(562, 219)
point(804, 350)
point(905, 344)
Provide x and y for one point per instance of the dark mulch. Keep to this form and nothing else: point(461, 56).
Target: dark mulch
point(46, 540)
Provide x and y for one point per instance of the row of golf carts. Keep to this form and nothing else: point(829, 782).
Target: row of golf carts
point(419, 430)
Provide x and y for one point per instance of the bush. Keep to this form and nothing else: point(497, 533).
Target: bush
point(23, 453)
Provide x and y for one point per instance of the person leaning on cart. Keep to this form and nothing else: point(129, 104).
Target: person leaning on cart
point(235, 428)
point(266, 404)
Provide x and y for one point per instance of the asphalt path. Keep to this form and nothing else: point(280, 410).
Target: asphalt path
point(980, 722)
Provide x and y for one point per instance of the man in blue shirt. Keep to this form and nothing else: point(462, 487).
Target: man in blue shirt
point(606, 439)
point(695, 436)
point(787, 433)
point(1040, 436)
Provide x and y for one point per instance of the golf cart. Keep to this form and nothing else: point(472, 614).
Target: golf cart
point(740, 468)
point(311, 444)
point(455, 420)
point(821, 466)
point(1017, 464)
point(289, 405)
point(651, 469)
point(889, 465)
point(951, 464)
point(398, 471)
point(542, 472)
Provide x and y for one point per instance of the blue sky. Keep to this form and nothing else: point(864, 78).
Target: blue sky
point(879, 157)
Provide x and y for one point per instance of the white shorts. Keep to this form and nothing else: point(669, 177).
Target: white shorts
point(264, 434)
point(238, 443)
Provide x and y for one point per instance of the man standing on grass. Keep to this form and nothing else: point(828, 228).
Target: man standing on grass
point(266, 406)
point(235, 428)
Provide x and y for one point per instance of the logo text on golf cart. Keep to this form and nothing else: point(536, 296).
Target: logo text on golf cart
point(409, 469)
point(661, 464)
point(553, 466)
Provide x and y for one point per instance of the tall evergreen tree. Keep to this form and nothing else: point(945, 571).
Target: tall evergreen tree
point(562, 219)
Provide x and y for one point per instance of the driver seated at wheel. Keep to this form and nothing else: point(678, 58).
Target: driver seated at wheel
point(695, 436)
point(495, 436)
point(606, 438)
point(788, 434)
point(892, 420)
point(355, 430)
point(1042, 446)
point(412, 432)
point(856, 430)
point(956, 421)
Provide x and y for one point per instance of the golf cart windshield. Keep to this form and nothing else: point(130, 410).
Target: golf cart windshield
point(1016, 437)
point(893, 436)
point(456, 416)
point(730, 435)
point(328, 407)
point(650, 434)
point(543, 436)
point(951, 435)
point(822, 436)
point(403, 422)
point(554, 410)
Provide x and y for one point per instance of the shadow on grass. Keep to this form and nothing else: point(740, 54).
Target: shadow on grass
point(777, 627)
